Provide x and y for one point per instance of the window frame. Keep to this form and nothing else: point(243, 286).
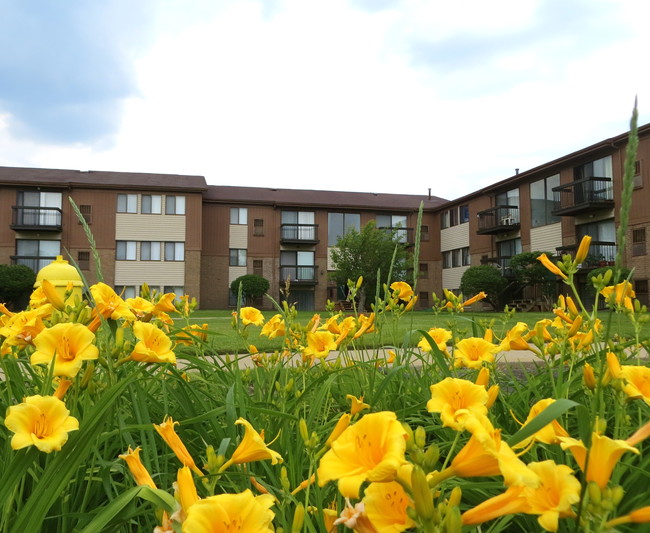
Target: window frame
point(238, 257)
point(174, 200)
point(151, 247)
point(128, 199)
point(238, 216)
point(174, 245)
point(126, 250)
point(154, 201)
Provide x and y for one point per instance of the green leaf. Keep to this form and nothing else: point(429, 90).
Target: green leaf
point(552, 412)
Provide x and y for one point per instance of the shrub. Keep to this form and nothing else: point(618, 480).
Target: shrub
point(484, 278)
point(252, 286)
point(16, 282)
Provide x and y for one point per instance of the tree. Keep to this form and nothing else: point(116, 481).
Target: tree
point(252, 287)
point(486, 278)
point(16, 283)
point(369, 253)
point(529, 272)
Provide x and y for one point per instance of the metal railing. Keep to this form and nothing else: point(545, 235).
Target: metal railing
point(298, 274)
point(299, 233)
point(41, 218)
point(583, 195)
point(498, 219)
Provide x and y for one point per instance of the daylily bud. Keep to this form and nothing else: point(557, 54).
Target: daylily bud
point(483, 377)
point(583, 250)
point(617, 494)
point(589, 377)
point(359, 282)
point(410, 437)
point(422, 497)
point(284, 480)
point(304, 432)
point(571, 306)
point(455, 496)
point(298, 518)
point(420, 437)
point(453, 521)
point(595, 495)
point(431, 456)
point(552, 267)
point(341, 425)
point(493, 392)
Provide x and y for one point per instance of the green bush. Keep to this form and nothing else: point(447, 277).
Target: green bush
point(16, 283)
point(252, 286)
point(484, 278)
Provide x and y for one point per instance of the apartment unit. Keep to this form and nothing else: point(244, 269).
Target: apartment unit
point(146, 227)
point(549, 209)
point(176, 233)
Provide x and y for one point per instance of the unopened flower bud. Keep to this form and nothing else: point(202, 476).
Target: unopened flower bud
point(589, 376)
point(431, 456)
point(304, 432)
point(617, 494)
point(420, 437)
point(583, 250)
point(298, 518)
point(410, 437)
point(595, 495)
point(422, 497)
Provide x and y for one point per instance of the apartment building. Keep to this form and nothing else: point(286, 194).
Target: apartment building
point(176, 233)
point(146, 227)
point(549, 209)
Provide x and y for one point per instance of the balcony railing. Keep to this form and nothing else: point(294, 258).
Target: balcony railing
point(299, 233)
point(582, 196)
point(601, 253)
point(498, 220)
point(36, 218)
point(298, 275)
point(35, 263)
point(403, 235)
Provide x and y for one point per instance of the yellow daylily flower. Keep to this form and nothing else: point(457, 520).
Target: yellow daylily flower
point(68, 344)
point(476, 298)
point(357, 404)
point(251, 315)
point(457, 399)
point(636, 379)
point(473, 352)
point(401, 290)
point(366, 325)
point(386, 507)
point(41, 421)
point(341, 425)
point(551, 499)
point(186, 489)
point(638, 516)
point(319, 344)
point(439, 335)
point(370, 450)
point(604, 453)
point(243, 512)
point(153, 345)
point(20, 330)
point(168, 433)
point(274, 327)
point(515, 338)
point(109, 304)
point(165, 304)
point(140, 307)
point(550, 434)
point(621, 293)
point(137, 469)
point(191, 334)
point(251, 448)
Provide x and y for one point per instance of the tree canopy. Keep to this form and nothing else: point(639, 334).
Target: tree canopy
point(369, 253)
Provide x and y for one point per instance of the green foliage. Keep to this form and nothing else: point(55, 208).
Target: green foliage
point(16, 282)
point(252, 286)
point(484, 278)
point(372, 253)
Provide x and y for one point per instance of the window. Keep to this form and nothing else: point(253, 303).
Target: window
point(37, 208)
point(87, 213)
point(423, 298)
point(603, 244)
point(424, 270)
point(83, 260)
point(178, 290)
point(600, 168)
point(298, 226)
point(507, 249)
point(508, 199)
point(237, 257)
point(453, 217)
point(541, 201)
point(258, 227)
point(446, 259)
point(394, 222)
point(424, 233)
point(36, 253)
point(150, 251)
point(151, 204)
point(258, 267)
point(127, 203)
point(444, 220)
point(338, 224)
point(297, 265)
point(638, 177)
point(455, 258)
point(125, 250)
point(638, 242)
point(174, 251)
point(174, 205)
point(126, 291)
point(465, 258)
point(239, 215)
point(464, 213)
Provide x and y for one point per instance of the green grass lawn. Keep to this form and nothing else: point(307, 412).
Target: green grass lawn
point(226, 340)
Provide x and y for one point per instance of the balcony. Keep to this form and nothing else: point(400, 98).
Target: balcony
point(583, 196)
point(298, 275)
point(35, 263)
point(601, 253)
point(502, 263)
point(403, 235)
point(498, 219)
point(36, 218)
point(299, 234)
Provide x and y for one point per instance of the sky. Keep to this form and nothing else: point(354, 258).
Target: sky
point(392, 96)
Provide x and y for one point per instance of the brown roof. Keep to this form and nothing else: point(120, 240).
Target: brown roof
point(99, 179)
point(311, 198)
point(600, 149)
